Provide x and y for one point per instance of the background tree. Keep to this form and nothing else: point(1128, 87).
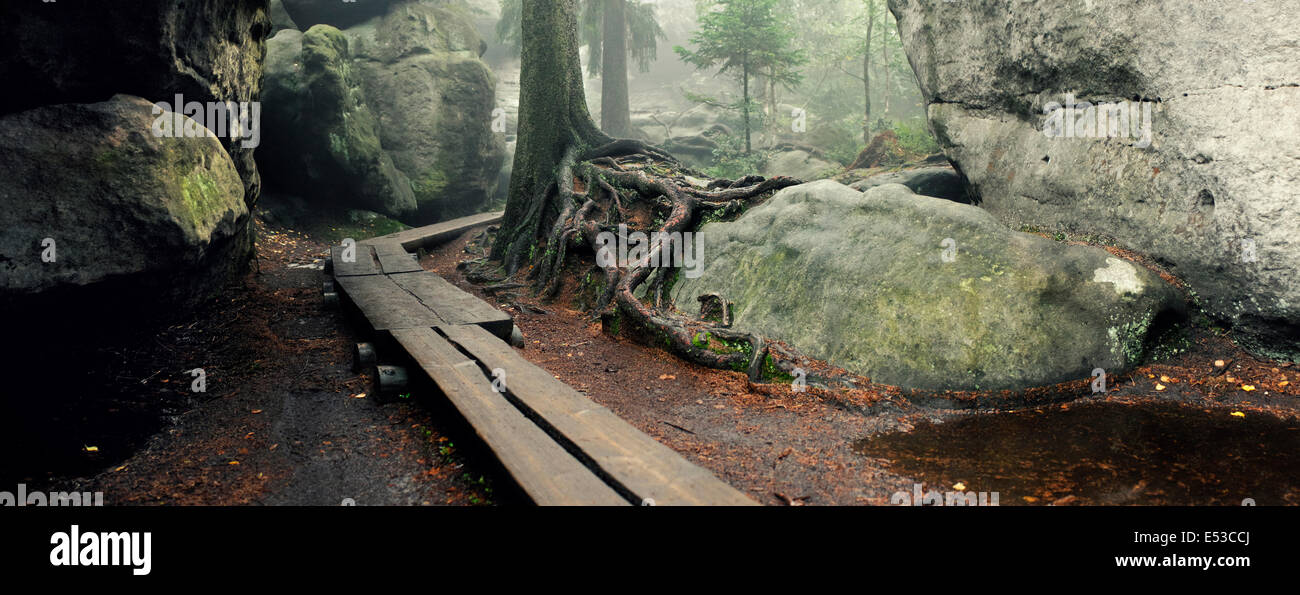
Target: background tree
point(745, 38)
point(553, 123)
point(613, 31)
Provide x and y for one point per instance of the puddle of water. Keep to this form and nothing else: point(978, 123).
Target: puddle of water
point(1104, 453)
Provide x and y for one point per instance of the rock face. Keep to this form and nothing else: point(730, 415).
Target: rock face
point(308, 13)
point(1207, 184)
point(927, 293)
point(394, 115)
point(86, 52)
point(154, 215)
point(800, 165)
point(939, 181)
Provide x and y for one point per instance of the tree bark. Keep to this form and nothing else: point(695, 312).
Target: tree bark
point(615, 114)
point(553, 124)
point(744, 68)
point(866, 75)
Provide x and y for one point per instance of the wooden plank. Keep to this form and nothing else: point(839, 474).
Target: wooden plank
point(454, 305)
point(386, 305)
point(438, 233)
point(364, 262)
point(393, 258)
point(545, 471)
point(635, 460)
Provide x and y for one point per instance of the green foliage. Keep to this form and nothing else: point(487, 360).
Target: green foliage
point(731, 161)
point(745, 39)
point(914, 137)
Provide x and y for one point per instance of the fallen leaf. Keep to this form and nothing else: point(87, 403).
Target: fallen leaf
point(1160, 386)
point(1218, 363)
point(1247, 387)
point(1238, 414)
point(92, 449)
point(234, 462)
point(667, 377)
point(359, 396)
point(256, 411)
point(1030, 499)
point(959, 486)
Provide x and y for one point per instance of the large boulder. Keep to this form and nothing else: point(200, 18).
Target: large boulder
point(1207, 185)
point(86, 52)
point(927, 293)
point(393, 115)
point(338, 13)
point(322, 139)
point(799, 164)
point(939, 181)
point(97, 205)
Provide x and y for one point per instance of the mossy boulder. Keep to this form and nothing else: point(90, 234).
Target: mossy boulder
point(927, 293)
point(322, 139)
point(393, 115)
point(85, 52)
point(156, 217)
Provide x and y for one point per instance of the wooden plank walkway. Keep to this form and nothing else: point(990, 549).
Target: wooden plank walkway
point(559, 446)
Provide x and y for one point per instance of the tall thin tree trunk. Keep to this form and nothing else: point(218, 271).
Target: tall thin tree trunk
point(553, 121)
point(884, 54)
point(615, 113)
point(866, 75)
point(744, 69)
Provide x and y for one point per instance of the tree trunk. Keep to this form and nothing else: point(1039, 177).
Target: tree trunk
point(553, 122)
point(884, 55)
point(615, 116)
point(866, 75)
point(744, 69)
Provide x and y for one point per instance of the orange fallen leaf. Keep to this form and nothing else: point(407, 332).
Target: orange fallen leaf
point(1218, 363)
point(359, 396)
point(256, 411)
point(234, 462)
point(667, 377)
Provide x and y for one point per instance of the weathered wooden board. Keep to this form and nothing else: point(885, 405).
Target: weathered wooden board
point(454, 305)
point(386, 305)
point(545, 471)
point(363, 263)
point(394, 263)
point(437, 233)
point(636, 461)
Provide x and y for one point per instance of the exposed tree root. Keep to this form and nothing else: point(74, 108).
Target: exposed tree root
point(617, 178)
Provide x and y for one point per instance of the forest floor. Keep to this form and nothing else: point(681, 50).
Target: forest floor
point(284, 419)
point(1180, 431)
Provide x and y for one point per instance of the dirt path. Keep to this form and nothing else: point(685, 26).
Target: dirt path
point(284, 419)
point(787, 448)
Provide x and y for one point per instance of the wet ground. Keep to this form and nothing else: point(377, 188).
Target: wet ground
point(1103, 453)
point(1206, 424)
